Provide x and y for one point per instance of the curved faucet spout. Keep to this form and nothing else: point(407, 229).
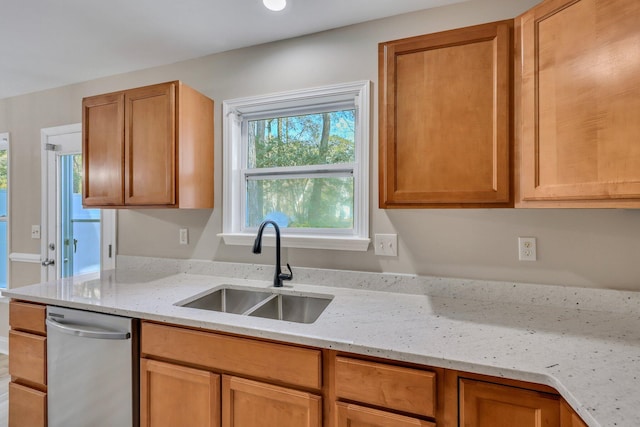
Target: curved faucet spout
point(279, 276)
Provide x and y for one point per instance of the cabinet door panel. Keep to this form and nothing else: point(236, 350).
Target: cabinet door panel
point(103, 125)
point(485, 404)
point(150, 145)
point(27, 317)
point(445, 118)
point(358, 416)
point(569, 418)
point(28, 357)
point(172, 395)
point(251, 403)
point(580, 102)
point(27, 407)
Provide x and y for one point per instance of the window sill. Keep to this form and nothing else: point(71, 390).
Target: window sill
point(307, 242)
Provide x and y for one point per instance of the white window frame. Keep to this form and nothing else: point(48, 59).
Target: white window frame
point(305, 101)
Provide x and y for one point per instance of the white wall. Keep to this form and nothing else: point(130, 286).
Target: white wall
point(592, 248)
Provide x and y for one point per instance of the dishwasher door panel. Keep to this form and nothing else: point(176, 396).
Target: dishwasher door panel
point(91, 369)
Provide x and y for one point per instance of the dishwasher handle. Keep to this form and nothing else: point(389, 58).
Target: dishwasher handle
point(87, 332)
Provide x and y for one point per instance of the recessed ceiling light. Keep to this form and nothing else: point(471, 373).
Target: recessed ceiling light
point(275, 5)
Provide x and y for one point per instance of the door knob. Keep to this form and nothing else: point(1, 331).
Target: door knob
point(47, 262)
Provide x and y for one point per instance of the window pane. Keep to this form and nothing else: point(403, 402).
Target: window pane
point(86, 254)
point(3, 254)
point(301, 202)
point(3, 183)
point(312, 139)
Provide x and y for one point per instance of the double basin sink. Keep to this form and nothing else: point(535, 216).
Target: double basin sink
point(266, 303)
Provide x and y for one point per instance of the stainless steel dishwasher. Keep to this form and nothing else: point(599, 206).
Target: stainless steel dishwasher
point(92, 374)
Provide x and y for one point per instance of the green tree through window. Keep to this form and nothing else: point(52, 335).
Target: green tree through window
point(312, 200)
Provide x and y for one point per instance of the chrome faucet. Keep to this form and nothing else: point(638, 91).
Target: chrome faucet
point(257, 248)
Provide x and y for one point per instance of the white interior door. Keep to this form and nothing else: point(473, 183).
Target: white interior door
point(74, 240)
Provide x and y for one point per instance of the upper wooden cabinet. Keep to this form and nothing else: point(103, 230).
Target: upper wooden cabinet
point(445, 119)
point(148, 147)
point(580, 103)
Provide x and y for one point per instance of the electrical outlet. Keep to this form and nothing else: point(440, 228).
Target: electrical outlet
point(527, 249)
point(35, 231)
point(386, 244)
point(184, 236)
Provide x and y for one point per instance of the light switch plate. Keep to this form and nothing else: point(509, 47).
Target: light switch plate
point(35, 231)
point(386, 244)
point(184, 236)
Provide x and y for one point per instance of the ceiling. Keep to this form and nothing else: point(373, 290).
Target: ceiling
point(46, 44)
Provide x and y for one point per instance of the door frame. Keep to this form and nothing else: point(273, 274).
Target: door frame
point(49, 203)
point(5, 139)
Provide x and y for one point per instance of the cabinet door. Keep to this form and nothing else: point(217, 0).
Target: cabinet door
point(569, 418)
point(27, 407)
point(103, 149)
point(580, 91)
point(445, 119)
point(247, 403)
point(172, 395)
point(349, 415)
point(485, 404)
point(150, 145)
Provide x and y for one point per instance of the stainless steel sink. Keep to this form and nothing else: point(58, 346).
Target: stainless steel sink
point(293, 308)
point(229, 300)
point(300, 308)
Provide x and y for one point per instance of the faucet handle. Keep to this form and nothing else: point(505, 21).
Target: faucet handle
point(285, 276)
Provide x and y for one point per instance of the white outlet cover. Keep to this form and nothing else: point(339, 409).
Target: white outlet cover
point(35, 231)
point(527, 249)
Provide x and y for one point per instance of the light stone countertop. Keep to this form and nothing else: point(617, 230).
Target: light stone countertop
point(591, 356)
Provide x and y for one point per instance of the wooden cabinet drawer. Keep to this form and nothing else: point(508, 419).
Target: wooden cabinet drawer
point(393, 387)
point(28, 357)
point(27, 407)
point(270, 361)
point(27, 317)
point(349, 415)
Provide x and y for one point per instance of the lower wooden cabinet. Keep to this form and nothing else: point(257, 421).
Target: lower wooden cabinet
point(251, 403)
point(202, 380)
point(485, 404)
point(27, 365)
point(207, 379)
point(173, 395)
point(349, 415)
point(27, 406)
point(568, 417)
